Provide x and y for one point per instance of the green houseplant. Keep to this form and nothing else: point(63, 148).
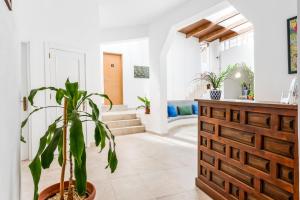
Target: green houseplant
point(216, 81)
point(146, 104)
point(55, 137)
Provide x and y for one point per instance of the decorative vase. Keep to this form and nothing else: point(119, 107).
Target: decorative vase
point(54, 189)
point(215, 94)
point(147, 111)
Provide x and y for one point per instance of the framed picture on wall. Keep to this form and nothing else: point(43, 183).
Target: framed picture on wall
point(9, 4)
point(141, 72)
point(292, 45)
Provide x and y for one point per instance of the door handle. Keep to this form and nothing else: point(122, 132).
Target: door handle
point(25, 104)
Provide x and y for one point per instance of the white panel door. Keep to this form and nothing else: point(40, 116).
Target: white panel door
point(63, 64)
point(24, 103)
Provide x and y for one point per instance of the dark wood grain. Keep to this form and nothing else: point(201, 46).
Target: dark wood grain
point(248, 151)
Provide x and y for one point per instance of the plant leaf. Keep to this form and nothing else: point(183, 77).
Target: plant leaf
point(71, 88)
point(95, 110)
point(76, 139)
point(59, 95)
point(33, 93)
point(103, 134)
point(97, 135)
point(80, 174)
point(113, 162)
point(48, 155)
point(36, 170)
point(35, 166)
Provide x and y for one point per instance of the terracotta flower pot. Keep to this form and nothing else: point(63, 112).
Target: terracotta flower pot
point(54, 189)
point(147, 111)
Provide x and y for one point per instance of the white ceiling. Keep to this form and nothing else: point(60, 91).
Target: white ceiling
point(122, 13)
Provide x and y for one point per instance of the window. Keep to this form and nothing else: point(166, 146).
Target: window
point(244, 39)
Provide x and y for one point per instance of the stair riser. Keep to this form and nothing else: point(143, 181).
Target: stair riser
point(127, 131)
point(108, 118)
point(127, 123)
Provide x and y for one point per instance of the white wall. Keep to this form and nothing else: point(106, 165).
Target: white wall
point(134, 52)
point(270, 42)
point(68, 23)
point(183, 64)
point(9, 105)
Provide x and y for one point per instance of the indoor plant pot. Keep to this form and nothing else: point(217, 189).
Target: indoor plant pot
point(70, 125)
point(147, 111)
point(146, 104)
point(215, 94)
point(54, 189)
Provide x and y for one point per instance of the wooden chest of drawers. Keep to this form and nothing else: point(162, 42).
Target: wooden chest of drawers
point(248, 151)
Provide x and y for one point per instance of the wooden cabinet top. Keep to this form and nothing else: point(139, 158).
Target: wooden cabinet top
point(248, 103)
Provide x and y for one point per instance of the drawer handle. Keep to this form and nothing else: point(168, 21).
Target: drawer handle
point(238, 116)
point(268, 120)
point(237, 192)
point(292, 124)
point(291, 150)
point(268, 166)
point(291, 175)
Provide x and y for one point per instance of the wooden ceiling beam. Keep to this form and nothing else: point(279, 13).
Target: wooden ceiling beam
point(218, 33)
point(200, 29)
point(210, 25)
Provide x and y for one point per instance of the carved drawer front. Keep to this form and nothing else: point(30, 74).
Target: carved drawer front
point(218, 147)
point(207, 127)
point(234, 190)
point(275, 192)
point(235, 116)
point(237, 135)
point(236, 173)
point(258, 162)
point(234, 153)
point(207, 158)
point(258, 119)
point(250, 197)
point(218, 113)
point(278, 146)
point(203, 171)
point(285, 173)
point(204, 111)
point(287, 124)
point(218, 180)
point(203, 141)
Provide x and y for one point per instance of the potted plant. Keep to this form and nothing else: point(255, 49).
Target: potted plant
point(251, 95)
point(69, 125)
point(146, 105)
point(216, 81)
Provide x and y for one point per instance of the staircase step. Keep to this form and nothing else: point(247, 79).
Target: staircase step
point(116, 117)
point(123, 123)
point(128, 130)
point(115, 108)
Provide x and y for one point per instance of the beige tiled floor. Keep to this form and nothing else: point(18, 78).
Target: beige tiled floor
point(151, 167)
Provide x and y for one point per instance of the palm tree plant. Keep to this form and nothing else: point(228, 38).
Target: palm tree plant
point(56, 135)
point(146, 104)
point(215, 80)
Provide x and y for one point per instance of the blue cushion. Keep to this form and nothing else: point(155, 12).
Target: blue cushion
point(195, 109)
point(172, 111)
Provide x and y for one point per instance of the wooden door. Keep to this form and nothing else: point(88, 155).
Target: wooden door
point(113, 77)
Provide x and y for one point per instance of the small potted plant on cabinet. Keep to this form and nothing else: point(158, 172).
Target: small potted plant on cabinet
point(55, 137)
point(216, 81)
point(146, 105)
